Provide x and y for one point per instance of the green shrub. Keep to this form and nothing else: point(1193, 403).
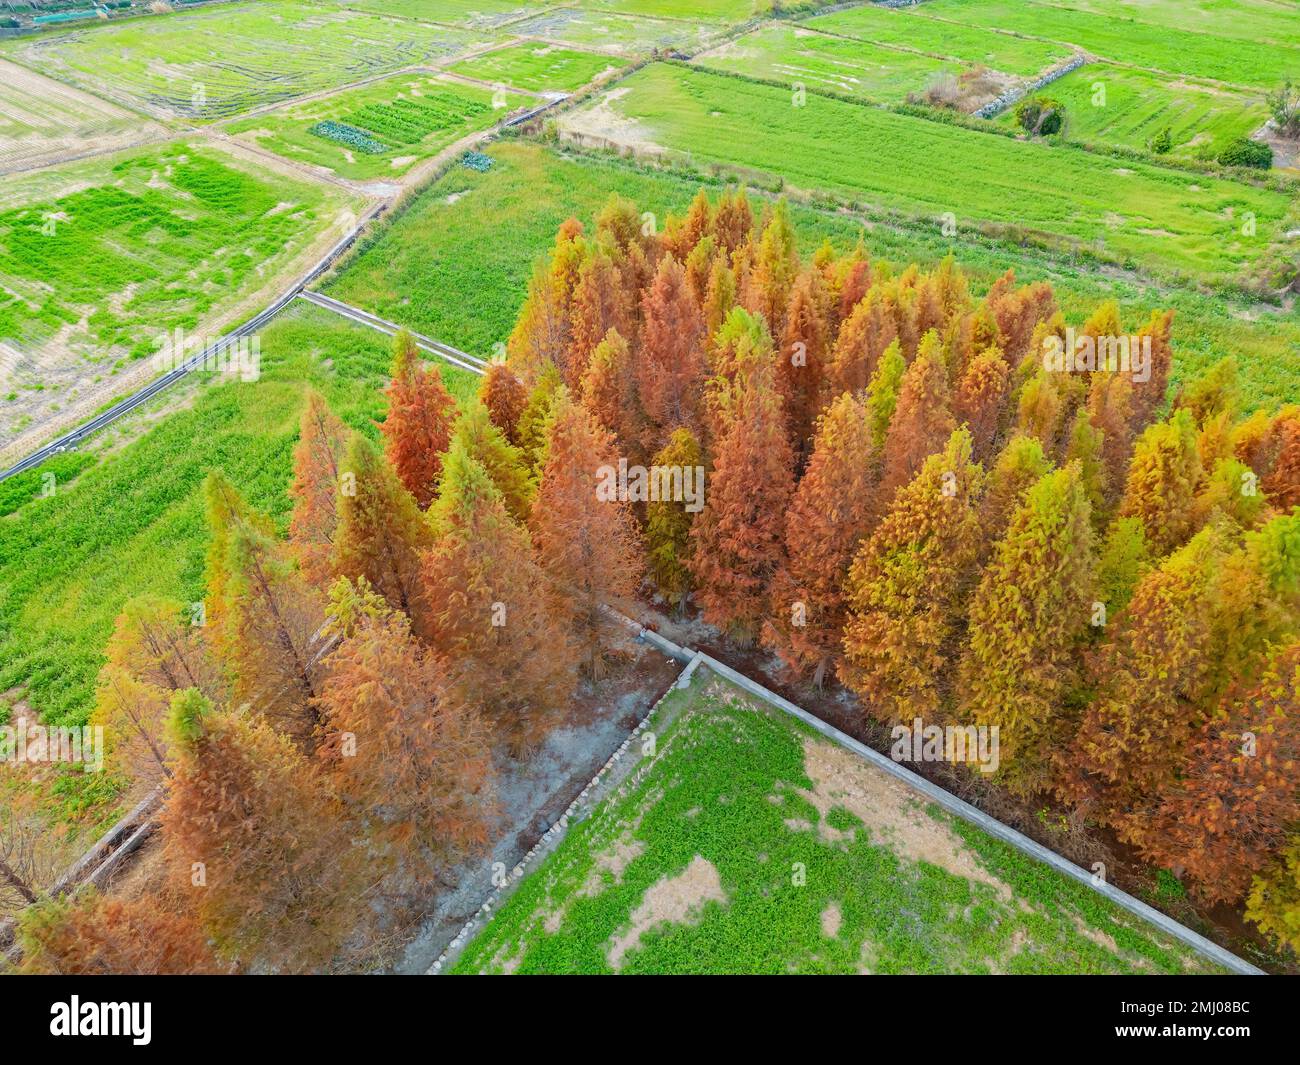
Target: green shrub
point(1040, 116)
point(1245, 152)
point(1162, 142)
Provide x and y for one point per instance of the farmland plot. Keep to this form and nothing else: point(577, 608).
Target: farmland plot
point(1135, 105)
point(728, 11)
point(1156, 216)
point(99, 258)
point(42, 121)
point(612, 33)
point(802, 56)
point(222, 61)
point(538, 67)
point(970, 43)
point(1245, 62)
point(380, 129)
point(746, 842)
point(1262, 21)
point(475, 14)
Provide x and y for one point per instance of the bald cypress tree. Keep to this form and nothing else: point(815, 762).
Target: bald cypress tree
point(922, 421)
point(321, 440)
point(1027, 621)
point(421, 413)
point(1163, 480)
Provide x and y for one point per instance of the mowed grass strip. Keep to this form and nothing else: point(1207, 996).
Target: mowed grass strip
point(455, 263)
point(401, 119)
point(1114, 105)
point(780, 52)
point(111, 252)
point(968, 43)
point(747, 843)
point(1154, 216)
point(538, 67)
point(1108, 35)
point(219, 62)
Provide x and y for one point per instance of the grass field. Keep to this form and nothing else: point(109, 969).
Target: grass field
point(1262, 21)
point(478, 14)
point(1201, 117)
point(748, 843)
point(444, 268)
point(103, 255)
point(612, 32)
point(1153, 216)
point(728, 11)
point(538, 67)
point(1245, 60)
point(378, 130)
point(224, 60)
point(971, 44)
point(797, 55)
point(42, 120)
point(133, 523)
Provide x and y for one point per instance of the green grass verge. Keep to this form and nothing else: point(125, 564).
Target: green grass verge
point(404, 119)
point(539, 67)
point(805, 859)
point(1159, 217)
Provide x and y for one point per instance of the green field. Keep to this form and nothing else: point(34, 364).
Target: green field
point(133, 523)
point(1154, 216)
point(443, 268)
point(971, 44)
point(538, 67)
point(728, 11)
point(1200, 117)
point(108, 253)
point(221, 61)
point(378, 130)
point(611, 32)
point(1245, 61)
point(477, 14)
point(1264, 21)
point(857, 68)
point(748, 843)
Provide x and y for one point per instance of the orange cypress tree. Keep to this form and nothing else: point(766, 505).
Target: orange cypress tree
point(1230, 812)
point(151, 654)
point(882, 395)
point(980, 400)
point(600, 304)
point(225, 508)
point(274, 646)
point(670, 368)
point(586, 536)
point(1163, 480)
point(1274, 902)
point(505, 397)
point(608, 388)
point(421, 413)
point(733, 221)
point(1148, 673)
point(827, 520)
point(504, 651)
point(907, 587)
point(1111, 410)
point(543, 331)
point(767, 289)
point(922, 422)
point(863, 338)
point(737, 538)
point(96, 935)
point(253, 836)
point(1027, 619)
point(1282, 483)
point(801, 364)
point(668, 521)
point(381, 531)
point(1018, 468)
point(404, 749)
point(321, 439)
